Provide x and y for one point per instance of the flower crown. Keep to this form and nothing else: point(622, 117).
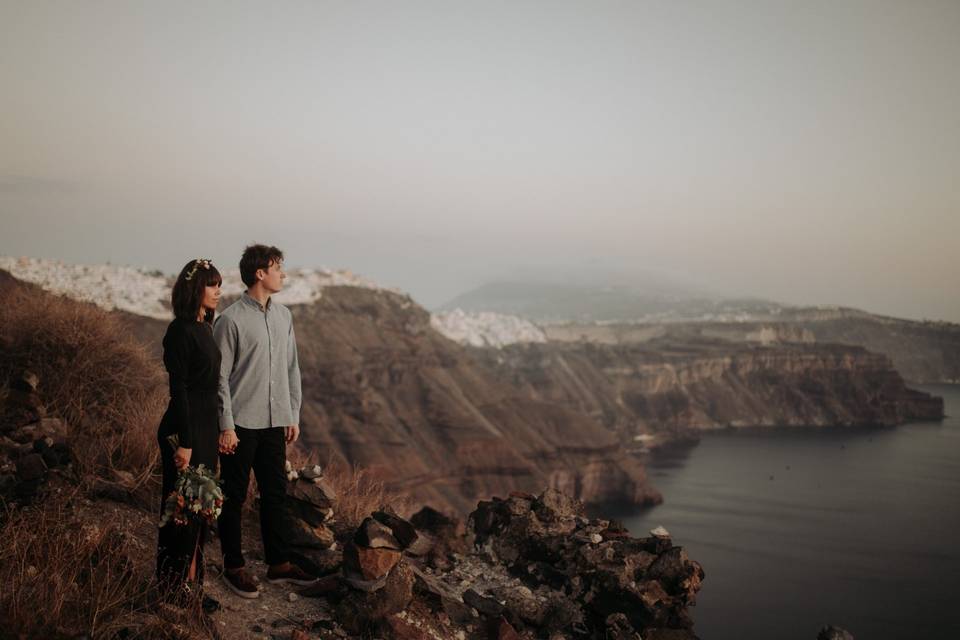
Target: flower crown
point(199, 262)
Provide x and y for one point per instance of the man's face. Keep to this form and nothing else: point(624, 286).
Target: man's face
point(273, 277)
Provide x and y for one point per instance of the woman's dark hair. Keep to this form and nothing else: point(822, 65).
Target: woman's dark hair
point(188, 291)
point(257, 256)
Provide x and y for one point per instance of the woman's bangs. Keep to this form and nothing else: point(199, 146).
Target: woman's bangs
point(212, 277)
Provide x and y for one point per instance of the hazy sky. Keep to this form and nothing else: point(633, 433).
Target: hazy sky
point(807, 152)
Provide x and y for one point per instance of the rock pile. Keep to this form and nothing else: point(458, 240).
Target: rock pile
point(31, 443)
point(543, 570)
point(526, 567)
point(310, 502)
point(378, 581)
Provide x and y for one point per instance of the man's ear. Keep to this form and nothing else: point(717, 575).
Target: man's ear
point(260, 275)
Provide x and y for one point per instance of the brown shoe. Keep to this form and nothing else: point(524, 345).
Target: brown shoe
point(289, 573)
point(241, 583)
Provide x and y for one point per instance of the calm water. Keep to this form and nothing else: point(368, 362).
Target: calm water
point(799, 528)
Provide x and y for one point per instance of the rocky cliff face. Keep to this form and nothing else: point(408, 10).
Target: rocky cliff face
point(668, 388)
point(923, 352)
point(384, 390)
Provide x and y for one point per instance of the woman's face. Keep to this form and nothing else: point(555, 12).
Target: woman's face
point(211, 297)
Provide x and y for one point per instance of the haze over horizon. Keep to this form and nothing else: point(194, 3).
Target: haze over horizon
point(806, 153)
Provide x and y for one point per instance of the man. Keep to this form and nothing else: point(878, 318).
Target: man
point(259, 415)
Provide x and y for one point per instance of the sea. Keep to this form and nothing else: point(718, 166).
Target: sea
point(798, 528)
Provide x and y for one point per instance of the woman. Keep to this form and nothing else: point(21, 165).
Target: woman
point(192, 360)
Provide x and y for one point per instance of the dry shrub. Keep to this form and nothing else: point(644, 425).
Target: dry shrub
point(64, 578)
point(93, 374)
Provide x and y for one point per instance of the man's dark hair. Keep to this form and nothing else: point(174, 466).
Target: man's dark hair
point(257, 256)
point(188, 290)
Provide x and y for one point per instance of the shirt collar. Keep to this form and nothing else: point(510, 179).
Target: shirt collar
point(247, 298)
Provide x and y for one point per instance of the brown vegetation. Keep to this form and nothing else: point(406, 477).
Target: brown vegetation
point(68, 573)
point(94, 375)
point(359, 492)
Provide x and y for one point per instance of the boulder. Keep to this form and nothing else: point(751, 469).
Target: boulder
point(506, 632)
point(369, 563)
point(486, 605)
point(436, 523)
point(618, 627)
point(398, 627)
point(361, 612)
point(311, 473)
point(311, 493)
point(373, 534)
point(402, 530)
point(306, 536)
point(553, 505)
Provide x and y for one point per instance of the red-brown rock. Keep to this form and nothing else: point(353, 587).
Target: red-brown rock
point(369, 563)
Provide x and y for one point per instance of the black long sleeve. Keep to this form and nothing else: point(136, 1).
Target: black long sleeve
point(177, 346)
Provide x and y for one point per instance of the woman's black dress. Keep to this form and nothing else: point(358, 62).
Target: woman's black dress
point(192, 360)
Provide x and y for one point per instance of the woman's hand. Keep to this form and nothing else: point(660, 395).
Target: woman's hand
point(228, 441)
point(181, 458)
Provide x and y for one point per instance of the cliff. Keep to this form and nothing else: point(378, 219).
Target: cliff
point(923, 352)
point(674, 389)
point(384, 390)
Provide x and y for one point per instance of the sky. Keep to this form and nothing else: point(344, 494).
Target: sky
point(805, 152)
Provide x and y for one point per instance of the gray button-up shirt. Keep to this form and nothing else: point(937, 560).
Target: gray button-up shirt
point(259, 372)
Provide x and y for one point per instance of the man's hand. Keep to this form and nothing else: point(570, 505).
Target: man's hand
point(293, 432)
point(181, 458)
point(228, 442)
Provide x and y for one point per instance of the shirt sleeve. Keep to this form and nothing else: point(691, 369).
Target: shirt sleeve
point(176, 358)
point(293, 374)
point(226, 336)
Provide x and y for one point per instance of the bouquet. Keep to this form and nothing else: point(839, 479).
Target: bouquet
point(196, 496)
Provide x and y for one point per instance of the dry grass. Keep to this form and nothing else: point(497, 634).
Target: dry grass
point(93, 375)
point(64, 576)
point(359, 492)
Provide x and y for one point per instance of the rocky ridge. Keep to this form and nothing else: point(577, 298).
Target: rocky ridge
point(675, 390)
point(922, 352)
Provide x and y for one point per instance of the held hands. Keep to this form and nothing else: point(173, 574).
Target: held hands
point(228, 442)
point(181, 458)
point(293, 432)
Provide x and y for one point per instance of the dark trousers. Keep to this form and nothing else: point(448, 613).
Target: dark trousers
point(264, 451)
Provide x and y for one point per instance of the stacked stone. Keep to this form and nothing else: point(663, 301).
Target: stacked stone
point(310, 501)
point(31, 444)
point(378, 581)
